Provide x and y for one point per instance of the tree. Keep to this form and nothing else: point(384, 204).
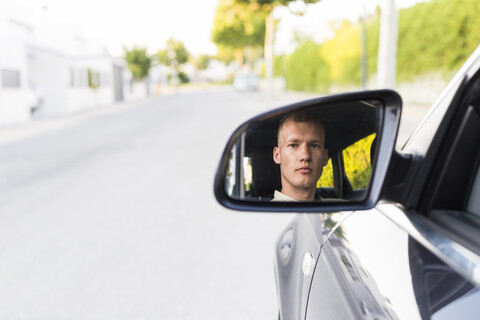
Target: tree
point(267, 6)
point(237, 26)
point(138, 62)
point(201, 61)
point(174, 54)
point(307, 69)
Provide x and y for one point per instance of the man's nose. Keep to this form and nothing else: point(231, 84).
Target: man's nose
point(304, 153)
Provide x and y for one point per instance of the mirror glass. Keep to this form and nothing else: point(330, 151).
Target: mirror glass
point(310, 153)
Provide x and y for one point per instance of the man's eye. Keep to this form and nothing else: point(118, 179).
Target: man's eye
point(293, 145)
point(315, 146)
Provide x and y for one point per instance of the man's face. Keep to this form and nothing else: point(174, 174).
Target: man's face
point(300, 154)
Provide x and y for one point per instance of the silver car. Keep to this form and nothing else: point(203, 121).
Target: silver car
point(244, 82)
point(405, 245)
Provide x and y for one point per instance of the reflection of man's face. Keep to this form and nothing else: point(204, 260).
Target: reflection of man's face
point(301, 155)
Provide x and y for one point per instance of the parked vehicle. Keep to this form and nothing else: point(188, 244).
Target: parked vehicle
point(35, 97)
point(404, 246)
point(246, 82)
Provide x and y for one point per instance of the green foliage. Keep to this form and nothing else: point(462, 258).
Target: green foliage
point(356, 159)
point(350, 72)
point(326, 179)
point(138, 62)
point(436, 36)
point(240, 24)
point(93, 79)
point(268, 5)
point(343, 54)
point(236, 25)
point(306, 69)
point(202, 61)
point(330, 224)
point(279, 66)
point(174, 54)
point(183, 77)
point(336, 61)
point(225, 54)
point(373, 40)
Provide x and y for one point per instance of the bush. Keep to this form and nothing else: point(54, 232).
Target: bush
point(435, 36)
point(279, 66)
point(314, 67)
point(183, 77)
point(357, 164)
point(343, 54)
point(326, 179)
point(306, 69)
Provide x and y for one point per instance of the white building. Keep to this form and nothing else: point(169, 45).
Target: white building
point(53, 66)
point(14, 31)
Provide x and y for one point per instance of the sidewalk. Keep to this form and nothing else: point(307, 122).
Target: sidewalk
point(13, 133)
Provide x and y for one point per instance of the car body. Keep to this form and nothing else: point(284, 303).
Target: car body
point(415, 252)
point(416, 256)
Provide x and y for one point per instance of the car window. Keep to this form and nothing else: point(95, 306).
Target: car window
point(450, 197)
point(357, 162)
point(474, 201)
point(247, 173)
point(326, 180)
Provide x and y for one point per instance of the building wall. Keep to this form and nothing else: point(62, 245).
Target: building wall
point(14, 88)
point(91, 83)
point(47, 71)
point(55, 63)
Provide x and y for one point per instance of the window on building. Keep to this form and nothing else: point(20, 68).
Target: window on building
point(10, 78)
point(78, 77)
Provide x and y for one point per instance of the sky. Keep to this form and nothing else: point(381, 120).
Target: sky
point(148, 23)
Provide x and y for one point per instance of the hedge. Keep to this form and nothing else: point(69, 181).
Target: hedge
point(436, 36)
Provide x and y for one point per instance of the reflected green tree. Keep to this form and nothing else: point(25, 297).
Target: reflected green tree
point(330, 224)
point(357, 163)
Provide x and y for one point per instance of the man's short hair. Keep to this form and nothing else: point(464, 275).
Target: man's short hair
point(301, 116)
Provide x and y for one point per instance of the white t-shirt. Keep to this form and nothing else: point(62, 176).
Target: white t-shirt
point(278, 196)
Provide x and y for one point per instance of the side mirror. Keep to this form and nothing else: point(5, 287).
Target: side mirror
point(359, 132)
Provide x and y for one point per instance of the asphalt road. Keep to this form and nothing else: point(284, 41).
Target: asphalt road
point(111, 215)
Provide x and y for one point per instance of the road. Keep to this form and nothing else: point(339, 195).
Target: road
point(111, 215)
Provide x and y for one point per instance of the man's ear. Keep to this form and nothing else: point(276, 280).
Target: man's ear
point(276, 155)
point(325, 162)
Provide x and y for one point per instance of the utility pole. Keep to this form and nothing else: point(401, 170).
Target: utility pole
point(363, 39)
point(387, 51)
point(268, 53)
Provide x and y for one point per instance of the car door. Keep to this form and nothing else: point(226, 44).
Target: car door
point(376, 270)
point(297, 250)
point(422, 262)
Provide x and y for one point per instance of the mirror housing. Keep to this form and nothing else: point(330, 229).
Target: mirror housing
point(387, 105)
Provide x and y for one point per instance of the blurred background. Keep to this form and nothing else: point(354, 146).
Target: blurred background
point(113, 116)
point(61, 57)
